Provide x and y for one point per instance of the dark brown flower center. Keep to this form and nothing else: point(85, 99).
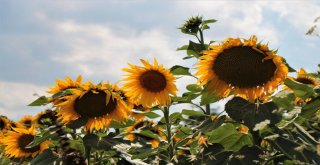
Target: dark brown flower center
point(304, 81)
point(139, 125)
point(243, 67)
point(153, 81)
point(27, 123)
point(2, 124)
point(24, 140)
point(94, 104)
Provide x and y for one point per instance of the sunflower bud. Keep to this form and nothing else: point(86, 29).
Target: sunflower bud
point(192, 25)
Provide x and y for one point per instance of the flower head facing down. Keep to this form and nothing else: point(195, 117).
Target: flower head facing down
point(248, 69)
point(100, 104)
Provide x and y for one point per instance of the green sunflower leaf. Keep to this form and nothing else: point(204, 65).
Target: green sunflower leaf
point(310, 108)
point(117, 125)
point(41, 138)
point(194, 88)
point(43, 100)
point(149, 134)
point(45, 158)
point(151, 115)
point(284, 99)
point(208, 97)
point(180, 70)
point(228, 136)
point(300, 90)
point(196, 47)
point(209, 21)
point(184, 47)
point(81, 121)
point(192, 113)
point(251, 114)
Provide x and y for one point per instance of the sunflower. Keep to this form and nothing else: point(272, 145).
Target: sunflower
point(4, 123)
point(305, 79)
point(137, 114)
point(149, 85)
point(139, 125)
point(47, 117)
point(243, 67)
point(67, 84)
point(26, 121)
point(100, 104)
point(15, 143)
point(62, 86)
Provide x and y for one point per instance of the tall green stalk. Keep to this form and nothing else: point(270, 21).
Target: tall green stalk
point(168, 124)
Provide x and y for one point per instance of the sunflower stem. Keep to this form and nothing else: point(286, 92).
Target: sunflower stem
point(201, 37)
point(167, 119)
point(208, 112)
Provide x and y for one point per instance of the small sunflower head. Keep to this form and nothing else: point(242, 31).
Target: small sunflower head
point(303, 78)
point(244, 67)
point(4, 123)
point(149, 85)
point(26, 121)
point(46, 118)
point(192, 25)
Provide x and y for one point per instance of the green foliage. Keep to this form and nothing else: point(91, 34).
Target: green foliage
point(43, 100)
point(300, 90)
point(228, 136)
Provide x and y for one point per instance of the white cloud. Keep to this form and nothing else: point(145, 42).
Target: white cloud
point(16, 96)
point(98, 50)
point(300, 14)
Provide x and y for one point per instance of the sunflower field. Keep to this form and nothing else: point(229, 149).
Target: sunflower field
point(272, 114)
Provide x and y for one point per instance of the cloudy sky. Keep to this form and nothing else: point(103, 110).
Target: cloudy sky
point(42, 41)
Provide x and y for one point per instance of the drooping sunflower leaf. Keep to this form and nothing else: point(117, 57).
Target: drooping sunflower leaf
point(251, 114)
point(81, 121)
point(43, 100)
point(228, 136)
point(39, 139)
point(196, 47)
point(180, 70)
point(45, 158)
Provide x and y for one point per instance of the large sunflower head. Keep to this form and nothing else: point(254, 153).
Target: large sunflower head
point(100, 104)
point(16, 142)
point(245, 67)
point(149, 85)
point(27, 121)
point(4, 123)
